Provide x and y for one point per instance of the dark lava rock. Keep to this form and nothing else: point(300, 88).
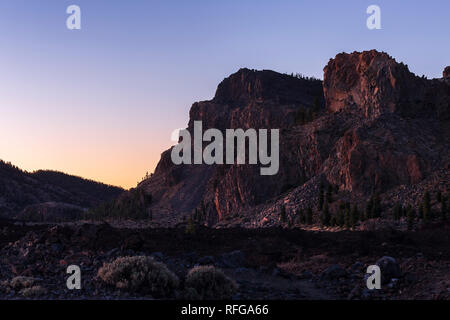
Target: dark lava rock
point(389, 269)
point(446, 72)
point(206, 260)
point(333, 272)
point(357, 267)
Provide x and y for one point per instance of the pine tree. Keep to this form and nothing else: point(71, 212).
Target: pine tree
point(325, 215)
point(302, 216)
point(354, 216)
point(340, 217)
point(427, 207)
point(410, 215)
point(190, 227)
point(299, 216)
point(397, 211)
point(362, 216)
point(316, 107)
point(443, 209)
point(309, 115)
point(421, 215)
point(320, 205)
point(329, 197)
point(376, 208)
point(309, 216)
point(333, 221)
point(300, 116)
point(347, 218)
point(369, 209)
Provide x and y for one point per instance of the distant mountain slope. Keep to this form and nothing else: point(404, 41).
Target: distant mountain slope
point(88, 190)
point(20, 189)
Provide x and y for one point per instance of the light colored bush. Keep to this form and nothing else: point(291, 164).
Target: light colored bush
point(139, 273)
point(209, 283)
point(34, 291)
point(21, 282)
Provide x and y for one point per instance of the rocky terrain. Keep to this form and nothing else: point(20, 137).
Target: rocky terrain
point(371, 128)
point(271, 263)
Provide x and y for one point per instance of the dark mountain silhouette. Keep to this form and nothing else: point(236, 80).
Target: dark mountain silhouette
point(46, 191)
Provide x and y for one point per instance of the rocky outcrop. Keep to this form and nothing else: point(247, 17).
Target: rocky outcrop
point(373, 83)
point(246, 99)
point(446, 72)
point(380, 127)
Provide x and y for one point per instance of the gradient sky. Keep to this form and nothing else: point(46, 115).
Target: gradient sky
point(102, 102)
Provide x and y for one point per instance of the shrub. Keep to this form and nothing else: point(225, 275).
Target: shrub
point(21, 282)
point(209, 283)
point(34, 291)
point(139, 273)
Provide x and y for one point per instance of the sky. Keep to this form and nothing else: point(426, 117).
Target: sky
point(102, 102)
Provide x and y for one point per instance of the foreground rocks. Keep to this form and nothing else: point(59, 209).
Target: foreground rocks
point(273, 263)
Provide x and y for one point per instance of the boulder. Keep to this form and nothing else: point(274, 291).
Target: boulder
point(390, 269)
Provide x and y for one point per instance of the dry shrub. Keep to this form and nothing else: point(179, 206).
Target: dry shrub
point(139, 274)
point(209, 283)
point(26, 286)
point(21, 282)
point(34, 291)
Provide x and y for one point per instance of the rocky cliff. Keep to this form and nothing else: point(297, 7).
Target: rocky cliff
point(372, 126)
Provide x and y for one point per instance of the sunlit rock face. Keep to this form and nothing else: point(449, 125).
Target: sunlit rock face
point(372, 83)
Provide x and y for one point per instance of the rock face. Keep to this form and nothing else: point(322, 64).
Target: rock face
point(372, 83)
point(446, 72)
point(375, 126)
point(247, 99)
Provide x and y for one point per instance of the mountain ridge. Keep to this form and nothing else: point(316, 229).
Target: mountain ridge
point(377, 126)
point(21, 190)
